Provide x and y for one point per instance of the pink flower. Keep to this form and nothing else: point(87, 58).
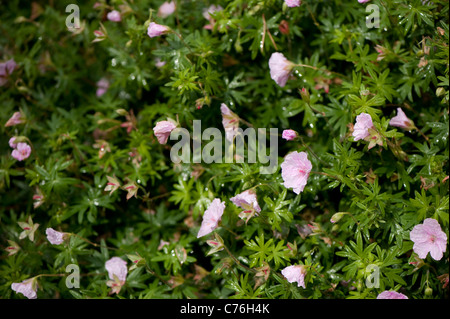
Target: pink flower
point(6, 68)
point(11, 142)
point(212, 8)
point(363, 1)
point(155, 30)
point(295, 273)
point(280, 68)
point(230, 122)
point(15, 119)
point(429, 238)
point(295, 171)
point(114, 16)
point(117, 272)
point(162, 131)
point(248, 201)
point(102, 87)
point(388, 294)
point(55, 237)
point(401, 120)
point(166, 9)
point(293, 3)
point(289, 135)
point(361, 129)
point(159, 63)
point(211, 217)
point(27, 287)
point(22, 151)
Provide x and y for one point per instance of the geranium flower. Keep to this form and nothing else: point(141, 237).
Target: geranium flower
point(280, 68)
point(6, 68)
point(230, 122)
point(363, 1)
point(295, 171)
point(15, 119)
point(402, 121)
point(162, 131)
point(293, 3)
point(102, 87)
point(211, 217)
point(295, 273)
point(248, 201)
point(289, 135)
point(362, 126)
point(55, 237)
point(155, 30)
point(11, 142)
point(22, 151)
point(429, 238)
point(27, 287)
point(388, 294)
point(117, 272)
point(166, 9)
point(114, 16)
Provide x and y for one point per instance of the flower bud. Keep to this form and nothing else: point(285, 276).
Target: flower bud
point(305, 95)
point(428, 291)
point(440, 91)
point(337, 217)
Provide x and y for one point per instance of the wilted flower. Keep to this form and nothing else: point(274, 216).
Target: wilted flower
point(247, 200)
point(131, 188)
point(381, 52)
point(13, 248)
point(137, 261)
point(27, 287)
point(295, 273)
point(293, 3)
point(114, 16)
point(280, 68)
point(55, 237)
point(401, 120)
point(6, 68)
point(230, 122)
point(112, 185)
point(166, 9)
point(216, 244)
point(361, 129)
point(211, 217)
point(289, 135)
point(102, 87)
point(389, 294)
point(429, 238)
point(28, 229)
point(295, 171)
point(15, 119)
point(117, 272)
point(38, 198)
point(162, 130)
point(155, 30)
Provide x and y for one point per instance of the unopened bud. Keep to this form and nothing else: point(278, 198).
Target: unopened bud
point(428, 291)
point(305, 95)
point(440, 91)
point(337, 217)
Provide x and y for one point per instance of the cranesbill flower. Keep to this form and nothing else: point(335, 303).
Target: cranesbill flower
point(211, 217)
point(117, 272)
point(363, 1)
point(289, 135)
point(429, 238)
point(295, 171)
point(166, 9)
point(280, 68)
point(15, 119)
point(230, 122)
point(114, 16)
point(362, 126)
point(295, 273)
point(401, 120)
point(162, 131)
point(6, 69)
point(22, 151)
point(388, 294)
point(27, 287)
point(248, 201)
point(293, 3)
point(102, 87)
point(55, 237)
point(155, 30)
point(213, 8)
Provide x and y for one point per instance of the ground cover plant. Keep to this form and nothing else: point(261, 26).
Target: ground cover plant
point(128, 168)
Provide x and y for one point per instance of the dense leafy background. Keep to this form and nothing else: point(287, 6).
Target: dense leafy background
point(388, 190)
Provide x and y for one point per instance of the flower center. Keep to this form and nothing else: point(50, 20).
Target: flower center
point(433, 238)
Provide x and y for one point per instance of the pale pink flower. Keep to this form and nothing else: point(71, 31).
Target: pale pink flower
point(295, 273)
point(27, 287)
point(166, 9)
point(363, 1)
point(401, 120)
point(22, 151)
point(114, 16)
point(230, 122)
point(429, 238)
point(293, 3)
point(102, 87)
point(162, 131)
point(155, 30)
point(11, 142)
point(15, 119)
point(212, 8)
point(159, 63)
point(295, 171)
point(6, 68)
point(289, 135)
point(54, 237)
point(248, 201)
point(280, 68)
point(117, 272)
point(361, 129)
point(389, 294)
point(211, 217)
